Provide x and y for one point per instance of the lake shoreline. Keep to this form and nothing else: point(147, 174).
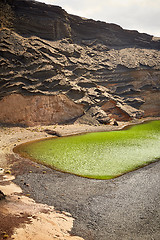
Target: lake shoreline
point(12, 165)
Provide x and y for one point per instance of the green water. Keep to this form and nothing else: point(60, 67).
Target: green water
point(101, 155)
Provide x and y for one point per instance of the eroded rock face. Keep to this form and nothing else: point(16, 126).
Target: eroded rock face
point(36, 110)
point(53, 23)
point(92, 63)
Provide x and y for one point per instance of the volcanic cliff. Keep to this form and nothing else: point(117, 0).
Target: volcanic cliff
point(56, 67)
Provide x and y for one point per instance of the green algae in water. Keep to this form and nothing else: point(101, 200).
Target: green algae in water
point(102, 155)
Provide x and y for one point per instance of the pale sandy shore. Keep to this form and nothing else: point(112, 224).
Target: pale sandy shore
point(20, 215)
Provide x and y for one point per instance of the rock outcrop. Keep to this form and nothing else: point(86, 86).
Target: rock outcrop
point(100, 70)
point(2, 196)
point(36, 110)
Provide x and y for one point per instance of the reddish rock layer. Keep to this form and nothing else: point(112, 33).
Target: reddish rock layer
point(35, 110)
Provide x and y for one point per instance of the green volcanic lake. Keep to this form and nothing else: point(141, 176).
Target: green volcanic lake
point(101, 155)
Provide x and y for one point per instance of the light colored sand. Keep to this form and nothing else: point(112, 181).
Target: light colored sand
point(45, 222)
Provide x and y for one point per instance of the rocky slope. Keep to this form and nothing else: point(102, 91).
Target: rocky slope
point(58, 67)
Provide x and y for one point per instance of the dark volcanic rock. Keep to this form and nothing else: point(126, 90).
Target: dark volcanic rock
point(52, 22)
point(52, 132)
point(96, 64)
point(2, 196)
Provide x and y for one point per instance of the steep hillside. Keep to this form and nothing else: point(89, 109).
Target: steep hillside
point(71, 68)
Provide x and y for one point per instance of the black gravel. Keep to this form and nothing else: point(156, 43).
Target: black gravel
point(125, 208)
